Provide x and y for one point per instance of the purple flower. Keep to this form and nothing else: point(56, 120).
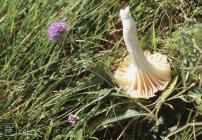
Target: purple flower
point(56, 29)
point(72, 119)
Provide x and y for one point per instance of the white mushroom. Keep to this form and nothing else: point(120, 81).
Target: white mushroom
point(140, 74)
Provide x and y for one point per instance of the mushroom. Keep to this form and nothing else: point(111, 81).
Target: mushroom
point(141, 74)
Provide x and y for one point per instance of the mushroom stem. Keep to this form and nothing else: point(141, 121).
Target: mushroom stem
point(131, 40)
point(123, 3)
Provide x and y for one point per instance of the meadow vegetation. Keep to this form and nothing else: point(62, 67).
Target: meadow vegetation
point(42, 83)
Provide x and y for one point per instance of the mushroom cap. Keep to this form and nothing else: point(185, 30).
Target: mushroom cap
point(140, 82)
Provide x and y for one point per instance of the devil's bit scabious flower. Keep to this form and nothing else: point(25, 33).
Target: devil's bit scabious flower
point(141, 74)
point(56, 29)
point(72, 119)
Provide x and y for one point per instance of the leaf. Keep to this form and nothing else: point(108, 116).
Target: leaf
point(166, 94)
point(79, 135)
point(128, 114)
point(49, 130)
point(196, 95)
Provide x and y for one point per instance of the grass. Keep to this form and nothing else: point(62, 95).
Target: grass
point(42, 83)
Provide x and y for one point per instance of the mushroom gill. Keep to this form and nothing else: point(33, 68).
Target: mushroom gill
point(141, 74)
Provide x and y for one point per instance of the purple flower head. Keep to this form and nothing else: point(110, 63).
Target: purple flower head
point(56, 29)
point(72, 119)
